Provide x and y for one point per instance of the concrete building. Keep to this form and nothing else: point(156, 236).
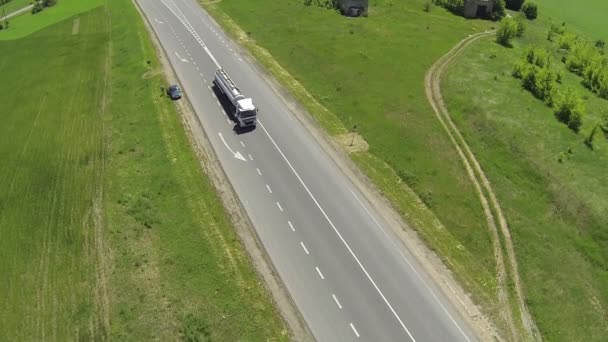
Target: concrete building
point(478, 8)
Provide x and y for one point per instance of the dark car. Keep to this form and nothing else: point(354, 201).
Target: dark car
point(174, 92)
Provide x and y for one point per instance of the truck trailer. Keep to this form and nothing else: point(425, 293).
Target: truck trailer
point(244, 111)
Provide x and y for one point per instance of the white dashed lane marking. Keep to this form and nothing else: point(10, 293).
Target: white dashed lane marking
point(304, 248)
point(337, 301)
point(319, 272)
point(352, 326)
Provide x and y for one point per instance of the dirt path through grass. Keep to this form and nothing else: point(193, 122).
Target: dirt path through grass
point(492, 210)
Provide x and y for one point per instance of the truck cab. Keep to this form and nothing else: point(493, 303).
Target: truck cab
point(246, 113)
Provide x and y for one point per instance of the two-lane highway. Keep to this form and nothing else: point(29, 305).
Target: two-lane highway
point(344, 269)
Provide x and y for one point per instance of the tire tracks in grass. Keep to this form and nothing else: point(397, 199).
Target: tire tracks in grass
point(497, 224)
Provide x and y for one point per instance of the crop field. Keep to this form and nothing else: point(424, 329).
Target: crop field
point(110, 230)
point(556, 209)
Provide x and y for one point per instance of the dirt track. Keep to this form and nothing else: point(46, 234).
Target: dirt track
point(496, 221)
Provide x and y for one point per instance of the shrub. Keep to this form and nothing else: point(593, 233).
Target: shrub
point(37, 7)
point(521, 69)
point(428, 5)
point(600, 44)
point(566, 41)
point(530, 10)
point(498, 10)
point(569, 108)
point(455, 6)
point(514, 5)
point(539, 57)
point(507, 30)
point(521, 28)
point(559, 29)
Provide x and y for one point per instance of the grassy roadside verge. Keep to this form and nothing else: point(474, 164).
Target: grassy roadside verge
point(109, 228)
point(181, 268)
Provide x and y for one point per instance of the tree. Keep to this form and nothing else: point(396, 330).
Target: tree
point(569, 108)
point(498, 10)
point(514, 5)
point(521, 27)
point(530, 10)
point(507, 30)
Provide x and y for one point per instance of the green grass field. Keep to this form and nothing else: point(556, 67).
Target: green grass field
point(109, 227)
point(28, 23)
point(587, 16)
point(556, 210)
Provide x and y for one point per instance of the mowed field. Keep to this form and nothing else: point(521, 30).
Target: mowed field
point(556, 210)
point(109, 229)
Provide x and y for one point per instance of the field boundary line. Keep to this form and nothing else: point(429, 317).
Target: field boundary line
point(483, 187)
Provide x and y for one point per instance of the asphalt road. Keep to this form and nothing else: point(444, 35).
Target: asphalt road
point(341, 264)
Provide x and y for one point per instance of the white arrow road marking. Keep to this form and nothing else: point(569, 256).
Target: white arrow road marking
point(180, 57)
point(236, 154)
point(158, 21)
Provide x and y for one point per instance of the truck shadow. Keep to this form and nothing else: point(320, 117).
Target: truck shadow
point(229, 109)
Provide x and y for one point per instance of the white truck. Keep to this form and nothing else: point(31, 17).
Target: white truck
point(244, 111)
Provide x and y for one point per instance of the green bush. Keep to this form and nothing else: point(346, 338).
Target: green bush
point(539, 57)
point(37, 7)
point(514, 5)
point(507, 30)
point(569, 108)
point(521, 27)
point(498, 10)
point(567, 41)
point(454, 6)
point(530, 10)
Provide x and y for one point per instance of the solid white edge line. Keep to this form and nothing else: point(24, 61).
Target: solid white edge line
point(337, 301)
point(319, 272)
point(339, 234)
point(352, 326)
point(291, 226)
point(304, 247)
point(412, 267)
